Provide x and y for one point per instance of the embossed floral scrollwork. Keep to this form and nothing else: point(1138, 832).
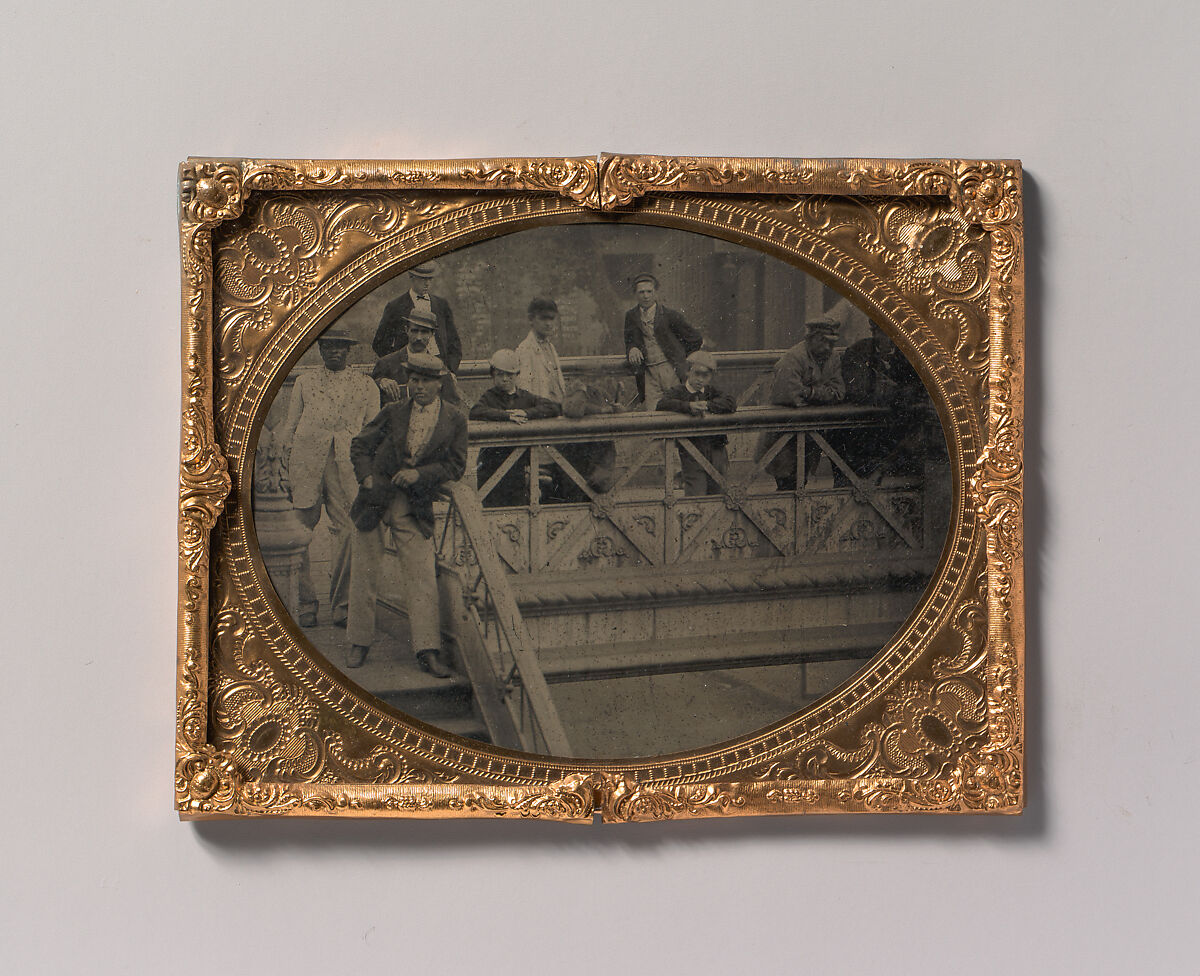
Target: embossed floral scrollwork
point(206, 781)
point(575, 797)
point(288, 176)
point(931, 251)
point(624, 178)
point(996, 486)
point(575, 179)
point(211, 191)
point(988, 192)
point(630, 801)
point(273, 729)
point(580, 796)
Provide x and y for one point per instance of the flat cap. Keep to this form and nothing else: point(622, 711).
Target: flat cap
point(824, 324)
point(423, 364)
point(702, 357)
point(506, 361)
point(645, 276)
point(422, 319)
point(426, 270)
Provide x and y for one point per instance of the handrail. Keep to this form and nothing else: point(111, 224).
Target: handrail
point(615, 365)
point(513, 658)
point(606, 426)
point(572, 366)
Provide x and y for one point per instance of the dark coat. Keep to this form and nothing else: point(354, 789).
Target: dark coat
point(379, 450)
point(494, 404)
point(679, 397)
point(513, 486)
point(880, 380)
point(677, 338)
point(392, 333)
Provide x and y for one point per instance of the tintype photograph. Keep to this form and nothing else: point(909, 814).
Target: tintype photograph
point(632, 486)
point(601, 490)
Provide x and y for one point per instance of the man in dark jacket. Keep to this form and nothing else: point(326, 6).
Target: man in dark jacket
point(392, 333)
point(401, 459)
point(697, 397)
point(877, 375)
point(391, 371)
point(658, 341)
point(505, 402)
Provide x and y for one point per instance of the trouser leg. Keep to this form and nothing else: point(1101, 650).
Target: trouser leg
point(659, 378)
point(695, 478)
point(366, 557)
point(418, 569)
point(337, 506)
point(308, 517)
point(718, 457)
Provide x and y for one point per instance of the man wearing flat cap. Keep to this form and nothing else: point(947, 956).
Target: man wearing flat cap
point(327, 407)
point(391, 371)
point(401, 459)
point(658, 341)
point(392, 333)
point(810, 373)
point(698, 397)
point(506, 402)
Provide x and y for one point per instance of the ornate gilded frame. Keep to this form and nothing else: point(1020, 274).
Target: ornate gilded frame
point(934, 724)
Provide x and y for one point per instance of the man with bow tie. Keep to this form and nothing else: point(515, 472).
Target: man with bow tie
point(393, 334)
point(401, 460)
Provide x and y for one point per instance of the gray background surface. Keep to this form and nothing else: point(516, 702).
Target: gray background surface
point(101, 103)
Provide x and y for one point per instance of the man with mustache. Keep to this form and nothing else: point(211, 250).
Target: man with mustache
point(391, 372)
point(392, 333)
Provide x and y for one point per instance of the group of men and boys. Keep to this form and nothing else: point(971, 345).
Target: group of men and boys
point(374, 452)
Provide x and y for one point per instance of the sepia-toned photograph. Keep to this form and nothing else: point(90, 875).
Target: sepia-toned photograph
point(601, 490)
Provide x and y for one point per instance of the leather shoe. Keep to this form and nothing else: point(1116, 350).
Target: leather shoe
point(356, 656)
point(431, 662)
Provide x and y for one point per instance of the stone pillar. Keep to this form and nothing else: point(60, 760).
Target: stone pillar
point(282, 538)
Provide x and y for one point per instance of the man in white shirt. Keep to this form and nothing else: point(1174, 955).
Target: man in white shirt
point(540, 371)
point(327, 408)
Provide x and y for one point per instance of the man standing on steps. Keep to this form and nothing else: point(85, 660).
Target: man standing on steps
point(326, 409)
point(401, 459)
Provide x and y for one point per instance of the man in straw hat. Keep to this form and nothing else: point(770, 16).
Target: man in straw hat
point(392, 333)
point(401, 459)
point(327, 407)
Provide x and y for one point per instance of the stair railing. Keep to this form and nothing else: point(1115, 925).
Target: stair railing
point(499, 656)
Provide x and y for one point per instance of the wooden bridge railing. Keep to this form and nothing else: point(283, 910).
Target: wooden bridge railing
point(645, 519)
